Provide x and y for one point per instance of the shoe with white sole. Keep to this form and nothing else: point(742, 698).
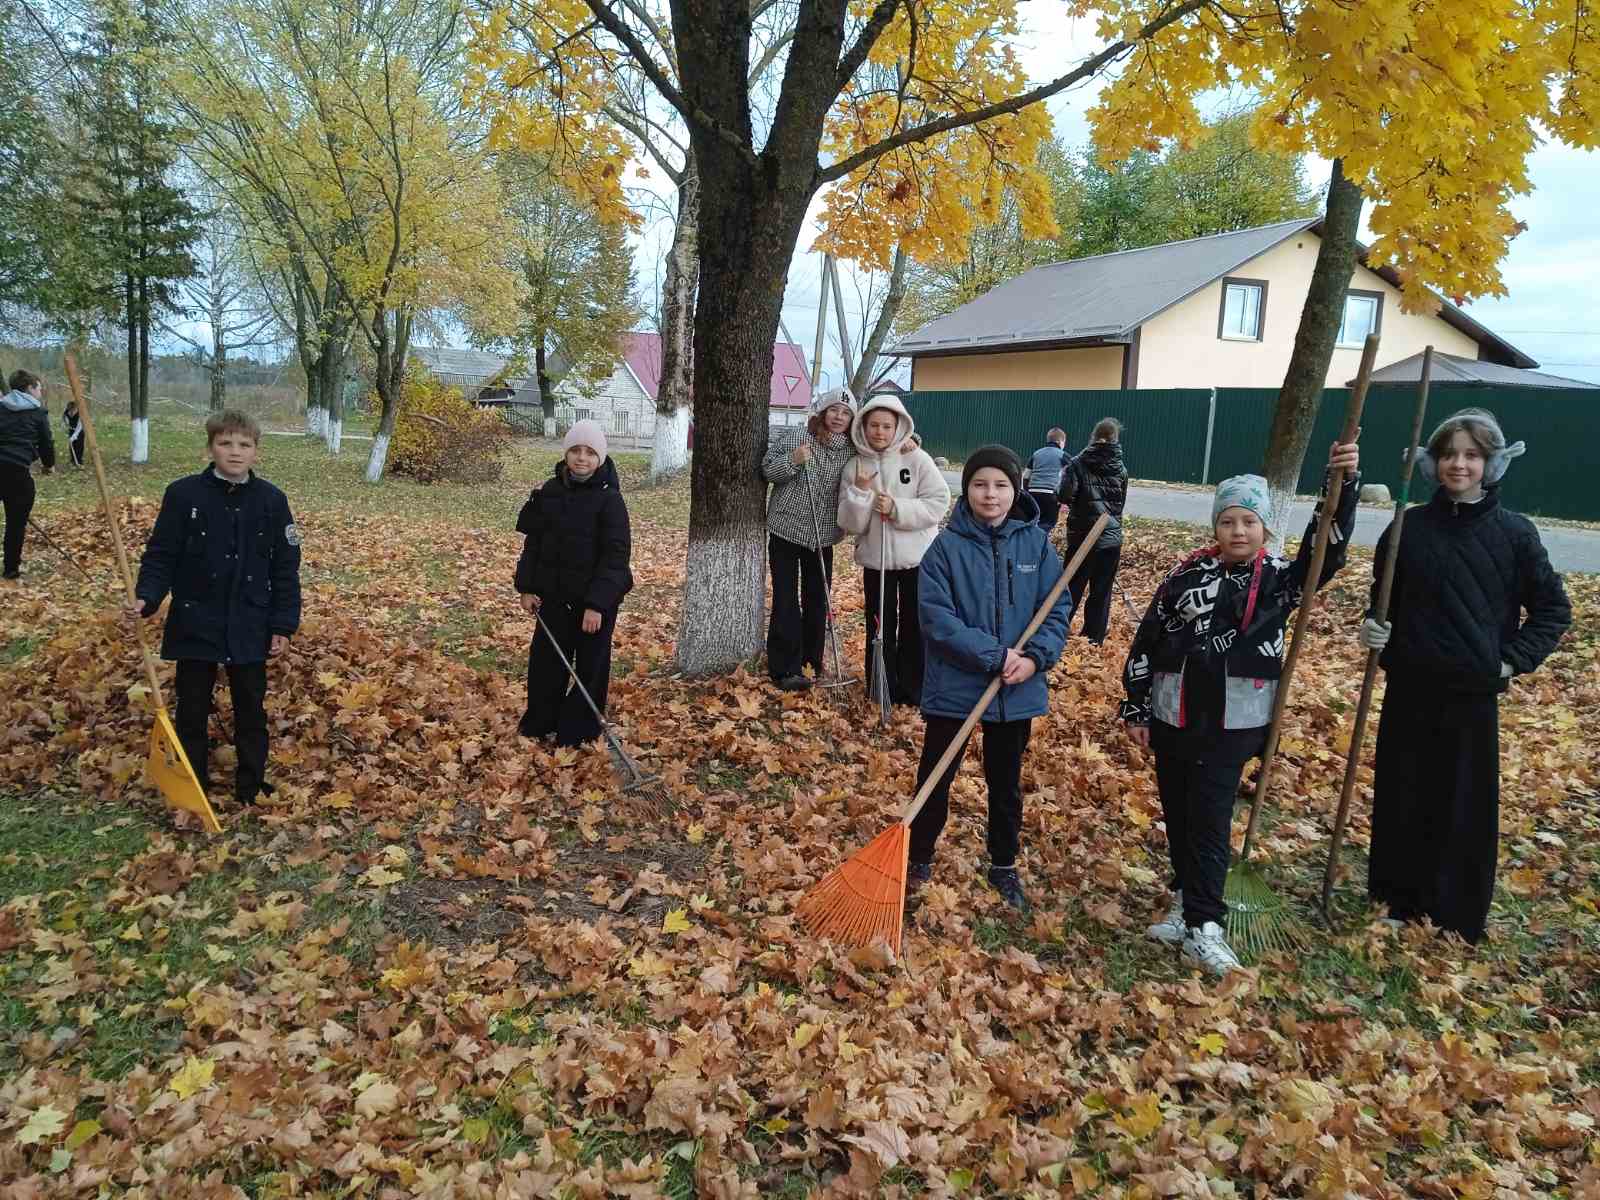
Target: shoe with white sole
point(1170, 929)
point(1209, 947)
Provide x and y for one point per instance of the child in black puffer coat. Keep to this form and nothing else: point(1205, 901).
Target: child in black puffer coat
point(573, 574)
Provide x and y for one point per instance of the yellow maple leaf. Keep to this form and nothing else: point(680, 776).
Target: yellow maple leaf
point(1211, 1043)
point(803, 1033)
point(696, 834)
point(1142, 1117)
point(676, 921)
point(647, 965)
point(380, 876)
point(194, 1076)
point(43, 1122)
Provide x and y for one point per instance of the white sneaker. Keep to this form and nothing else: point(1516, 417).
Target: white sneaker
point(1170, 929)
point(1209, 947)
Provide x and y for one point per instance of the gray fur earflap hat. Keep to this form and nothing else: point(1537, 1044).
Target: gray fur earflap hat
point(1484, 429)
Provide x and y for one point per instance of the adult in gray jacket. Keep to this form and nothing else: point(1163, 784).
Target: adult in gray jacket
point(804, 467)
point(24, 436)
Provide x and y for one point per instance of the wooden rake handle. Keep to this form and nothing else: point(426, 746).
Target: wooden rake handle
point(1369, 678)
point(1302, 621)
point(960, 741)
point(92, 444)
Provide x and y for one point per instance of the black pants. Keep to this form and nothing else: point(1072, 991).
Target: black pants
point(1049, 509)
point(247, 683)
point(1092, 589)
point(554, 705)
point(1003, 745)
point(16, 493)
point(1436, 807)
point(902, 632)
point(1197, 797)
point(797, 629)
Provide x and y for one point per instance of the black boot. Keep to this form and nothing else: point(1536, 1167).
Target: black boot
point(1008, 883)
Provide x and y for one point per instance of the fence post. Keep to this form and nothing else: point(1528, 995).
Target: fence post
point(1211, 423)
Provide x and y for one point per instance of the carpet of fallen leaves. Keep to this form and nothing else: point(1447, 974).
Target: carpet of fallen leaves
point(444, 962)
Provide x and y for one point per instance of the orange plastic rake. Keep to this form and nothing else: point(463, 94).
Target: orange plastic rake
point(864, 897)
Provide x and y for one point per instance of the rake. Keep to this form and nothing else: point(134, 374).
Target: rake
point(1259, 920)
point(878, 689)
point(1380, 611)
point(864, 897)
point(838, 680)
point(57, 547)
point(168, 766)
point(647, 789)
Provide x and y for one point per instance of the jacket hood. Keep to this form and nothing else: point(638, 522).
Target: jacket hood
point(1104, 457)
point(19, 401)
point(605, 475)
point(858, 429)
point(1024, 512)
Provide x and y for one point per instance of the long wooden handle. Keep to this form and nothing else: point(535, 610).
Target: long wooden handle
point(1302, 622)
point(1369, 678)
point(989, 693)
point(93, 446)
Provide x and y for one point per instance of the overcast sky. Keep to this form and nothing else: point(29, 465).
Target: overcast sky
point(1551, 313)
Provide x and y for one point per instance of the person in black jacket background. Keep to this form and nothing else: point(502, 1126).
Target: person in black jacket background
point(573, 573)
point(24, 436)
point(1096, 482)
point(226, 546)
point(1467, 570)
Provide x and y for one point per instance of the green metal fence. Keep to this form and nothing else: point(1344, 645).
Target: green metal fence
point(1165, 432)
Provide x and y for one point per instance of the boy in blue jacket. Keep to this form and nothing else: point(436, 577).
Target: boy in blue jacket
point(982, 580)
point(227, 548)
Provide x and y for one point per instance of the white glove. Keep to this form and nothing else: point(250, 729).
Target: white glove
point(1375, 634)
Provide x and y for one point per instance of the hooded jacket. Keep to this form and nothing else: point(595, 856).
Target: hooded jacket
point(921, 494)
point(979, 587)
point(1096, 482)
point(1466, 573)
point(230, 555)
point(804, 500)
point(576, 541)
point(25, 432)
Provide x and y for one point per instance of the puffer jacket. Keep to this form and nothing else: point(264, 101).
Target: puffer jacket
point(979, 587)
point(576, 541)
point(1198, 615)
point(230, 555)
point(805, 499)
point(1465, 575)
point(25, 432)
point(921, 495)
point(1096, 482)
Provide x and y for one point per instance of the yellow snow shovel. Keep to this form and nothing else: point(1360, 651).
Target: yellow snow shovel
point(168, 766)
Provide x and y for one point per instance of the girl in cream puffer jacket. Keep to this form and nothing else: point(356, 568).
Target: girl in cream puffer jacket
point(892, 496)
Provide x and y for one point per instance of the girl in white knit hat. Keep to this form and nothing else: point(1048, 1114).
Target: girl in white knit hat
point(1201, 678)
point(573, 574)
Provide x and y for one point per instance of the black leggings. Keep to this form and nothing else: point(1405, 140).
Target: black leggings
point(16, 493)
point(247, 683)
point(554, 705)
point(1197, 799)
point(1004, 743)
point(797, 628)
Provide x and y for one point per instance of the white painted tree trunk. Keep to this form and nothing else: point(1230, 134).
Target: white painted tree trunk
point(711, 635)
point(141, 440)
point(380, 456)
point(1282, 514)
point(670, 453)
point(333, 431)
point(549, 427)
point(316, 421)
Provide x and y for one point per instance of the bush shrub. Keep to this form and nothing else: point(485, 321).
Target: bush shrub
point(439, 435)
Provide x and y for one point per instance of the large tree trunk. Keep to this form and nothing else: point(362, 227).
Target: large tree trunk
point(1314, 340)
point(390, 352)
point(547, 386)
point(862, 379)
point(670, 448)
point(141, 404)
point(331, 369)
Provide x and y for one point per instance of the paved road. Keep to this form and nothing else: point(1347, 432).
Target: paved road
point(1570, 549)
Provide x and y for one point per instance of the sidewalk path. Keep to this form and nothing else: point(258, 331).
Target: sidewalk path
point(1570, 549)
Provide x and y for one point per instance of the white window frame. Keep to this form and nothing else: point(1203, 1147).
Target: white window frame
point(1344, 341)
point(1259, 287)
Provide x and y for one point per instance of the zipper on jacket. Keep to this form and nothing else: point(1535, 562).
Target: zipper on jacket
point(1011, 581)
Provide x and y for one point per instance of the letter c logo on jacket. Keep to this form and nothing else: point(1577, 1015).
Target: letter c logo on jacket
point(905, 474)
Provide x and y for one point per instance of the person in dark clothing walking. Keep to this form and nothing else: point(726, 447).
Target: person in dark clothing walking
point(1201, 678)
point(226, 547)
point(1044, 474)
point(982, 580)
point(1096, 482)
point(805, 467)
point(73, 420)
point(573, 574)
point(1468, 569)
point(24, 436)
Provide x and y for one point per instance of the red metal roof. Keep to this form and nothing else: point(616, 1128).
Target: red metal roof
point(789, 389)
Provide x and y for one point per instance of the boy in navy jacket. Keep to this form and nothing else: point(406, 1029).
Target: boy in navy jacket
point(982, 580)
point(226, 546)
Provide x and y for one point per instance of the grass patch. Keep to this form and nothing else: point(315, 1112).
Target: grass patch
point(14, 650)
